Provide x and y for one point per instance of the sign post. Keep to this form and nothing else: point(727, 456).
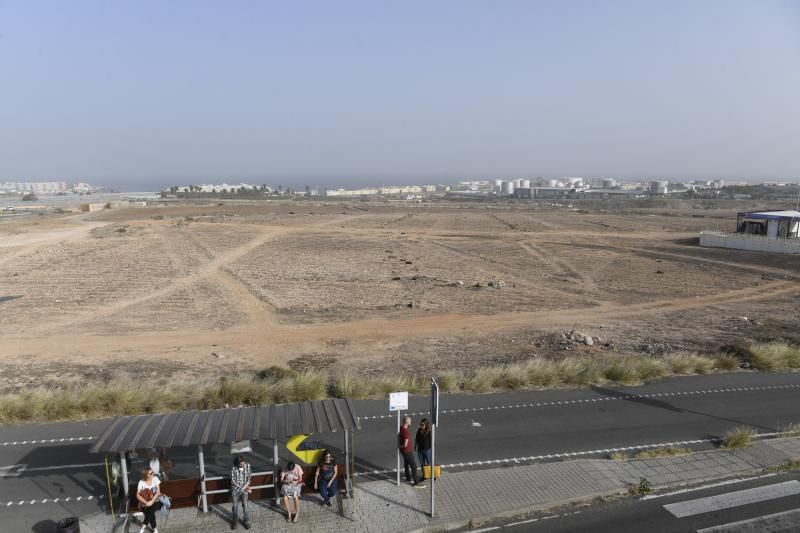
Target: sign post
point(398, 401)
point(434, 423)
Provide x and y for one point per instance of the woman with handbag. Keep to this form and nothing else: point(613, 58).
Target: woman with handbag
point(148, 493)
point(423, 445)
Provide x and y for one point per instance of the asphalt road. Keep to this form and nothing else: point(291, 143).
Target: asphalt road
point(475, 431)
point(629, 515)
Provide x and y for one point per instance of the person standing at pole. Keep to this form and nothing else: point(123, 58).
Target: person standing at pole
point(241, 475)
point(406, 446)
point(422, 445)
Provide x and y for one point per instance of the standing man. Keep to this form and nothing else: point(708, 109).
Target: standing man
point(240, 489)
point(406, 446)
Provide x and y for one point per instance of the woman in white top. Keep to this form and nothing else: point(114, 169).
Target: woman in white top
point(147, 492)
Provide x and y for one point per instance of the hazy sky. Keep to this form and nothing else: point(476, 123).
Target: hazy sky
point(153, 92)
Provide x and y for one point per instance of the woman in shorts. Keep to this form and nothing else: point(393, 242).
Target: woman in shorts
point(291, 487)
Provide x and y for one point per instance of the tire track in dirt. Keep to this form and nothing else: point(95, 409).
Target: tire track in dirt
point(550, 259)
point(687, 258)
point(209, 270)
point(277, 343)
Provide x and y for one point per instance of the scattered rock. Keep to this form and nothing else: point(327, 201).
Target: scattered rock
point(659, 272)
point(588, 341)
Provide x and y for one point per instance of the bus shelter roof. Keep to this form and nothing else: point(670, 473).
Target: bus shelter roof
point(223, 426)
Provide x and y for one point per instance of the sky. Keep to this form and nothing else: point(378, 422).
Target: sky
point(145, 94)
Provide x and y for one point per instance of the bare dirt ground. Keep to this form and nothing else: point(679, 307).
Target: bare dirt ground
point(371, 288)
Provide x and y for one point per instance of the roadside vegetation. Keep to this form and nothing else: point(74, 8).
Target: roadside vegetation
point(653, 453)
point(738, 437)
point(280, 385)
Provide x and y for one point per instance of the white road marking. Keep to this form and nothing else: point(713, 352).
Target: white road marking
point(53, 500)
point(629, 397)
point(733, 499)
point(485, 529)
point(17, 470)
point(703, 487)
point(736, 526)
point(46, 441)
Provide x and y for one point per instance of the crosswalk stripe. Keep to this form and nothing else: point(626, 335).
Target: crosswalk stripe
point(758, 524)
point(733, 499)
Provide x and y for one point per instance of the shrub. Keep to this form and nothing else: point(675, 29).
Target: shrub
point(689, 363)
point(579, 371)
point(482, 379)
point(541, 373)
point(620, 369)
point(775, 357)
point(274, 373)
point(727, 363)
point(349, 387)
point(448, 381)
point(739, 437)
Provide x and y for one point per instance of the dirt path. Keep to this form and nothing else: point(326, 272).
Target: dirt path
point(213, 269)
point(277, 344)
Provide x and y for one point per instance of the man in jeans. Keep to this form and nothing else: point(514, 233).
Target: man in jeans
point(406, 446)
point(240, 489)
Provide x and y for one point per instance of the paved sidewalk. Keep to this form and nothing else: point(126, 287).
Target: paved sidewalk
point(382, 507)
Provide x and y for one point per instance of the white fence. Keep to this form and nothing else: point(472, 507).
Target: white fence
point(755, 243)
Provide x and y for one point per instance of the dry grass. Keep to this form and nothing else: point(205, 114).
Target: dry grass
point(655, 453)
point(738, 437)
point(690, 363)
point(792, 430)
point(775, 357)
point(279, 385)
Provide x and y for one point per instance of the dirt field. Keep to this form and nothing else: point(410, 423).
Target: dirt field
point(372, 288)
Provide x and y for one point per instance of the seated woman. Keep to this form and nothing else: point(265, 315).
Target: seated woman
point(326, 474)
point(147, 492)
point(291, 487)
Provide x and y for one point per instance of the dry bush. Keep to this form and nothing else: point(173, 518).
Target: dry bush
point(689, 363)
point(482, 379)
point(352, 387)
point(727, 363)
point(579, 371)
point(448, 381)
point(541, 373)
point(738, 437)
point(775, 357)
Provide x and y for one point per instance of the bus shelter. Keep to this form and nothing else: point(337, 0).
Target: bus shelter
point(231, 426)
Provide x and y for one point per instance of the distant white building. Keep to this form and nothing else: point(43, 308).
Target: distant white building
point(766, 231)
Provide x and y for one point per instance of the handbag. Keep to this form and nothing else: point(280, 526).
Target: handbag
point(166, 503)
point(146, 494)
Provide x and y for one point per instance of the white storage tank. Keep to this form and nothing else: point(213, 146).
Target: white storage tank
point(550, 183)
point(658, 187)
point(575, 182)
point(507, 187)
point(525, 184)
point(609, 183)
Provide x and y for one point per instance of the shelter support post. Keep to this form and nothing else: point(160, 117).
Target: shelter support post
point(398, 449)
point(202, 463)
point(276, 472)
point(124, 467)
point(347, 463)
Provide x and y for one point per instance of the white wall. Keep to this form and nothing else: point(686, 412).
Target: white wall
point(756, 243)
